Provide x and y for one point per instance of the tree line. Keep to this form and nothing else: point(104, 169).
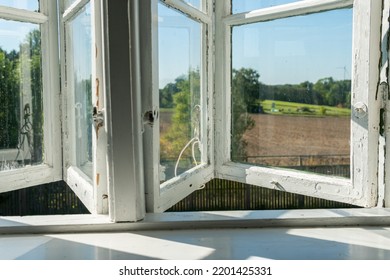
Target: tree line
point(19, 120)
point(247, 92)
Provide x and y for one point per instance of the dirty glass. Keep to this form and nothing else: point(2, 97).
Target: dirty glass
point(21, 111)
point(179, 49)
point(291, 93)
point(31, 5)
point(79, 75)
point(241, 6)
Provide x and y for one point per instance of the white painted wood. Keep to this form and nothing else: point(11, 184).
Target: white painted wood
point(99, 134)
point(365, 79)
point(73, 9)
point(326, 187)
point(91, 191)
point(51, 90)
point(222, 117)
point(50, 170)
point(82, 186)
point(174, 190)
point(160, 198)
point(150, 100)
point(287, 10)
point(385, 71)
point(124, 118)
point(189, 10)
point(15, 14)
point(363, 189)
point(25, 177)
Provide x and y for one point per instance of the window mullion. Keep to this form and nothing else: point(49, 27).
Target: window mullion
point(51, 90)
point(124, 123)
point(222, 85)
point(365, 100)
point(10, 13)
point(188, 10)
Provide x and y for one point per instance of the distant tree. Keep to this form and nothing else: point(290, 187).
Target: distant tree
point(245, 92)
point(9, 99)
point(334, 93)
point(185, 119)
point(246, 82)
point(12, 80)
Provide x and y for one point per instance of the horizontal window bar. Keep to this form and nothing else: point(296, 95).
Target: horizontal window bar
point(73, 9)
point(188, 10)
point(288, 10)
point(9, 13)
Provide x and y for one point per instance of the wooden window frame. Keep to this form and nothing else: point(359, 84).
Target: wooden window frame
point(50, 170)
point(362, 188)
point(93, 192)
point(160, 197)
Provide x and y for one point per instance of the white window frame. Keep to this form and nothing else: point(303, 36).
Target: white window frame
point(160, 197)
point(93, 192)
point(50, 170)
point(362, 189)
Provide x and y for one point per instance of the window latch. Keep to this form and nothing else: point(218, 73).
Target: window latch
point(98, 117)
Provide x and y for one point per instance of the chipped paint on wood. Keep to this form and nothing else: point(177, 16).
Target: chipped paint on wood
point(97, 179)
point(97, 85)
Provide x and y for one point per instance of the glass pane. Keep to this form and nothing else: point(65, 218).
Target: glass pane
point(179, 83)
point(241, 6)
point(195, 3)
point(21, 111)
point(79, 71)
point(291, 92)
point(31, 5)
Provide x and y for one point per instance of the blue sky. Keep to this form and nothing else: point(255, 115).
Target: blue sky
point(32, 5)
point(297, 49)
point(292, 50)
point(179, 45)
point(13, 33)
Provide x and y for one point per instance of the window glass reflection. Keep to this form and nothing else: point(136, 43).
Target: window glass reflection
point(21, 107)
point(79, 69)
point(291, 92)
point(180, 92)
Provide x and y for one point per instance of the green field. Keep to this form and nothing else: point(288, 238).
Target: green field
point(291, 108)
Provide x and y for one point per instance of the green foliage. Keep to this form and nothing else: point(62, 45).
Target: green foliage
point(13, 79)
point(185, 94)
point(292, 108)
point(245, 88)
point(9, 99)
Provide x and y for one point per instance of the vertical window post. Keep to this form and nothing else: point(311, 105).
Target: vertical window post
point(124, 123)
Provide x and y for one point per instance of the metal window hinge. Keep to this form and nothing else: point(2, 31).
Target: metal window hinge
point(98, 118)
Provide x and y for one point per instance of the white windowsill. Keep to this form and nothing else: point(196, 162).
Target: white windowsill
point(198, 220)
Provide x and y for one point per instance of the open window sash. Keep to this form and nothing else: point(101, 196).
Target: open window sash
point(362, 186)
point(34, 158)
point(83, 115)
point(176, 142)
